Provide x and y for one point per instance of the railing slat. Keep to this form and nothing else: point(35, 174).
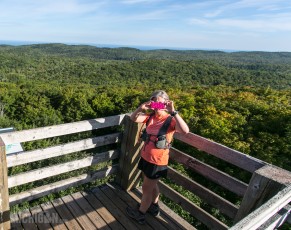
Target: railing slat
point(193, 209)
point(42, 173)
point(15, 159)
point(205, 194)
point(232, 156)
point(265, 212)
point(230, 183)
point(60, 130)
point(41, 191)
point(277, 219)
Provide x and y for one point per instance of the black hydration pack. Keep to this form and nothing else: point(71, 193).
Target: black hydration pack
point(161, 140)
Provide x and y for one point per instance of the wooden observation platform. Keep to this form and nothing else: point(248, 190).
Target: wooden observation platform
point(264, 199)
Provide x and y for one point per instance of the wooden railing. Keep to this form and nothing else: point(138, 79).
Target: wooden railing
point(269, 185)
point(267, 181)
point(12, 160)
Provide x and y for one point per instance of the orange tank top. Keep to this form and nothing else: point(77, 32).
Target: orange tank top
point(149, 152)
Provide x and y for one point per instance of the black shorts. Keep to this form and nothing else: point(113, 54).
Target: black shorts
point(152, 171)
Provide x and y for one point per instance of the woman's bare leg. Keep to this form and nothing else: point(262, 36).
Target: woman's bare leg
point(149, 192)
point(156, 194)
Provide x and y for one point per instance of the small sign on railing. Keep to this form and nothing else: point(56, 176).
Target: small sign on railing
point(11, 148)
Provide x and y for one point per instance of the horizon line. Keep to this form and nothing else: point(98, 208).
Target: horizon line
point(140, 47)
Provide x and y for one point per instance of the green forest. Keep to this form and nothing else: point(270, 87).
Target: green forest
point(239, 99)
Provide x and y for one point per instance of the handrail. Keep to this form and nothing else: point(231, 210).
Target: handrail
point(204, 193)
point(225, 153)
point(14, 159)
point(232, 184)
point(60, 130)
point(58, 169)
point(265, 212)
point(58, 186)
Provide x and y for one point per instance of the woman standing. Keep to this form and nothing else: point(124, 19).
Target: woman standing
point(155, 156)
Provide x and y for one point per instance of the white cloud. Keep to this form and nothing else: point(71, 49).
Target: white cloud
point(213, 14)
point(139, 1)
point(34, 8)
point(152, 15)
point(242, 4)
point(241, 25)
point(198, 21)
point(280, 22)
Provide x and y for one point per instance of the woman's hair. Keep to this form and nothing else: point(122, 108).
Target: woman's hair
point(160, 93)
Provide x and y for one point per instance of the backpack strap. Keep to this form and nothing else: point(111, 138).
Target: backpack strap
point(149, 118)
point(142, 129)
point(163, 130)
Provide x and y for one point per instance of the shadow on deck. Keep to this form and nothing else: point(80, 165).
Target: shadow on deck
point(101, 208)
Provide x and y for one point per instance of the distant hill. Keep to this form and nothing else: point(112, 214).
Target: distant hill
point(124, 66)
point(125, 53)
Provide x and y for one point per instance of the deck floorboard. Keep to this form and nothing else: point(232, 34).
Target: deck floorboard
point(101, 208)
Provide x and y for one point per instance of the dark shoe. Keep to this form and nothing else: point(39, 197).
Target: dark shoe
point(154, 209)
point(136, 214)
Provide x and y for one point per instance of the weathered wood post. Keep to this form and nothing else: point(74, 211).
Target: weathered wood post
point(4, 196)
point(130, 148)
point(264, 184)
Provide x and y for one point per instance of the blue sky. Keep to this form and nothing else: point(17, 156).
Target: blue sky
point(198, 24)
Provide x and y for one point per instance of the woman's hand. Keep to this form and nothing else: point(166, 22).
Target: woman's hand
point(170, 106)
point(138, 115)
point(181, 125)
point(145, 105)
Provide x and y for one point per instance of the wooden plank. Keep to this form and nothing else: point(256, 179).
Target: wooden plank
point(288, 219)
point(53, 216)
point(167, 216)
point(65, 214)
point(4, 195)
point(155, 222)
point(183, 224)
point(60, 130)
point(232, 156)
point(20, 158)
point(205, 194)
point(265, 183)
point(190, 207)
point(277, 220)
point(265, 212)
point(223, 179)
point(45, 172)
point(41, 191)
point(27, 220)
point(15, 222)
point(102, 211)
point(95, 218)
point(158, 222)
point(122, 207)
point(109, 204)
point(40, 218)
point(78, 213)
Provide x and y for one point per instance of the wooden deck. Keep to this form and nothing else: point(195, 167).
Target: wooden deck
point(101, 208)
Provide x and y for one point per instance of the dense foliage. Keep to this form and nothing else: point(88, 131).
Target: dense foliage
point(241, 100)
point(127, 66)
